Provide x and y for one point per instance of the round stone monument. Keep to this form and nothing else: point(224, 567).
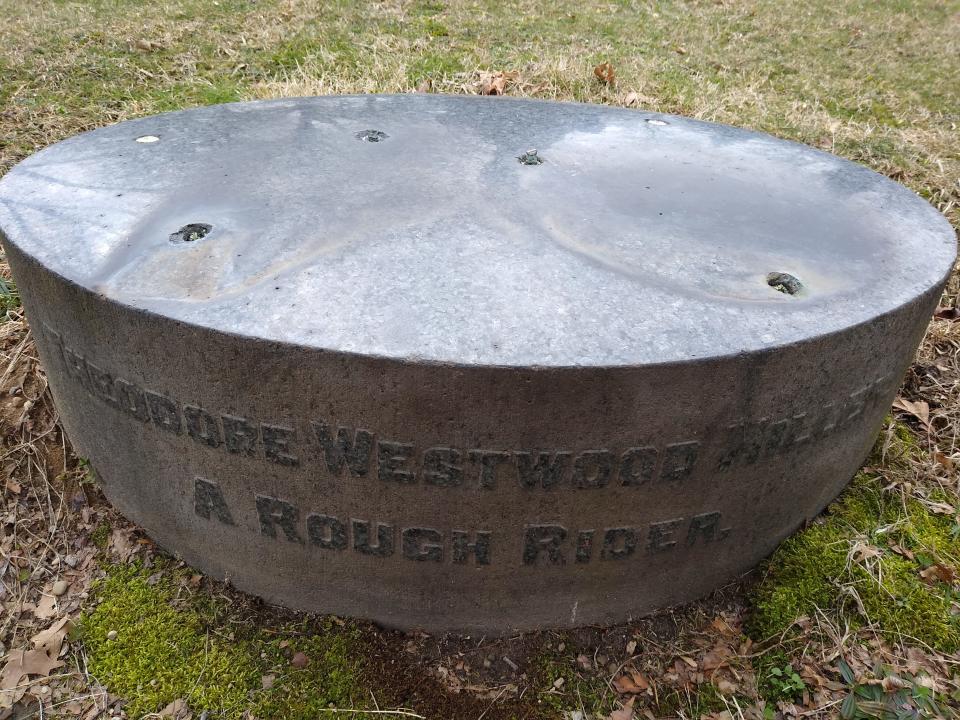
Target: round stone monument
point(470, 364)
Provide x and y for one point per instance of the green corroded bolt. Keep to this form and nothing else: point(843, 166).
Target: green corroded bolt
point(530, 157)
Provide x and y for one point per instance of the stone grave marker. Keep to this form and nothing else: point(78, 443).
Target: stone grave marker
point(470, 364)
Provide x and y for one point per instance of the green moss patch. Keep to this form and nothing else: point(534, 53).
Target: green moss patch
point(101, 534)
point(148, 640)
point(871, 557)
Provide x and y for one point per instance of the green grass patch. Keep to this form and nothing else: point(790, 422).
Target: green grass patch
point(576, 691)
point(152, 641)
point(433, 65)
point(777, 678)
point(702, 700)
point(9, 296)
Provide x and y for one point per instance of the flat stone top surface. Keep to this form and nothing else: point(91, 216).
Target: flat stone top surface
point(406, 226)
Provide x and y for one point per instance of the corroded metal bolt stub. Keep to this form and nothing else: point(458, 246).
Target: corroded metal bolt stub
point(530, 157)
point(785, 283)
point(190, 233)
point(487, 398)
point(372, 135)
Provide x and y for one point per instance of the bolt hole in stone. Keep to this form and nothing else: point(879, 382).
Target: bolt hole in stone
point(191, 233)
point(372, 135)
point(147, 139)
point(530, 157)
point(784, 282)
point(656, 121)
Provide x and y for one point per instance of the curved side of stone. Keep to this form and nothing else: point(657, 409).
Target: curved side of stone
point(460, 498)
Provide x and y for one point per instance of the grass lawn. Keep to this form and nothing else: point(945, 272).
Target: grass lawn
point(856, 616)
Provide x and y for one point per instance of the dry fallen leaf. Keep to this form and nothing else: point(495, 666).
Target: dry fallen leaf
point(624, 713)
point(717, 657)
point(10, 678)
point(917, 660)
point(605, 73)
point(938, 572)
point(177, 710)
point(122, 544)
point(864, 551)
point(495, 83)
point(639, 679)
point(27, 662)
point(892, 683)
point(625, 685)
point(945, 461)
point(919, 409)
point(47, 607)
point(51, 639)
point(727, 687)
point(300, 660)
point(147, 45)
point(900, 550)
point(726, 624)
point(41, 660)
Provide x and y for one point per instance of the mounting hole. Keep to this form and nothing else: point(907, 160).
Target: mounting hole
point(656, 121)
point(147, 139)
point(372, 135)
point(191, 233)
point(784, 282)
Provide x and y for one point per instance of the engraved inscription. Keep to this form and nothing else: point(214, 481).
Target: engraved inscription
point(619, 543)
point(443, 466)
point(208, 501)
point(661, 535)
point(423, 544)
point(344, 452)
point(592, 469)
point(277, 443)
point(133, 400)
point(352, 450)
point(746, 443)
point(392, 458)
point(637, 465)
point(202, 426)
point(543, 545)
point(464, 547)
point(541, 469)
point(327, 532)
point(164, 412)
point(372, 539)
point(544, 541)
point(240, 435)
point(276, 513)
